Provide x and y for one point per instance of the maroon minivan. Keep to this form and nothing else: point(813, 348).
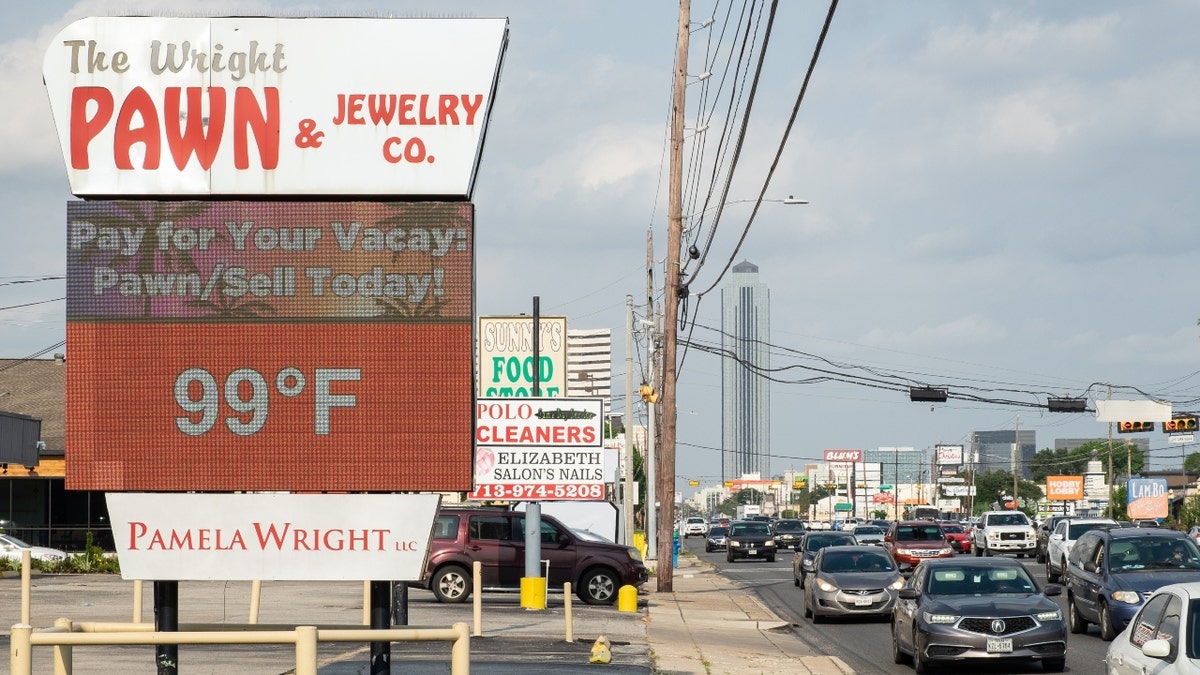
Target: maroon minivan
point(496, 538)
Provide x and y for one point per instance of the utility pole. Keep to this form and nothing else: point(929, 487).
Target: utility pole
point(627, 455)
point(670, 407)
point(1016, 454)
point(1110, 466)
point(651, 462)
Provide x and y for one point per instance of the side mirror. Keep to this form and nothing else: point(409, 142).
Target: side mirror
point(1089, 566)
point(1051, 590)
point(807, 564)
point(1157, 649)
point(1056, 537)
point(563, 539)
point(909, 594)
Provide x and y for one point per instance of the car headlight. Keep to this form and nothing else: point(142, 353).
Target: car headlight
point(904, 551)
point(897, 584)
point(769, 542)
point(939, 618)
point(634, 553)
point(946, 550)
point(734, 543)
point(826, 586)
point(1128, 597)
point(1056, 615)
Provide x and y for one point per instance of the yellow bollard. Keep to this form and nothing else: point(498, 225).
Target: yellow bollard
point(533, 592)
point(627, 599)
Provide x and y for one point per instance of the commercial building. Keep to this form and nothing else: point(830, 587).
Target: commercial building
point(994, 450)
point(745, 393)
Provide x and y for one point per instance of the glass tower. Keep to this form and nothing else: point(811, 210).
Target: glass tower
point(745, 394)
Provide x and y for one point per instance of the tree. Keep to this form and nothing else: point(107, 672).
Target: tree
point(1191, 463)
point(879, 513)
point(1074, 462)
point(990, 485)
point(1118, 503)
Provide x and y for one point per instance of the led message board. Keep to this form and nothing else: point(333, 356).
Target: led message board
point(303, 346)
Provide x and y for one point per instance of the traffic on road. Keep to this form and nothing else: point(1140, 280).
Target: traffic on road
point(915, 603)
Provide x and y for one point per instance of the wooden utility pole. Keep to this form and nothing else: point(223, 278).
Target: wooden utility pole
point(670, 408)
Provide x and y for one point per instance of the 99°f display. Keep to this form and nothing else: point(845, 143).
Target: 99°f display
point(269, 346)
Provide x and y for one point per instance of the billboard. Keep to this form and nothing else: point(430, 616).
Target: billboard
point(843, 456)
point(539, 449)
point(506, 356)
point(270, 106)
point(236, 346)
point(1146, 498)
point(1066, 488)
point(949, 454)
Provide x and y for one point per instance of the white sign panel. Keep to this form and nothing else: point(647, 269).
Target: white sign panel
point(958, 490)
point(539, 449)
point(506, 356)
point(271, 106)
point(272, 536)
point(949, 454)
point(1132, 411)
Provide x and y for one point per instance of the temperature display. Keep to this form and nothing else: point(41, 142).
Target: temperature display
point(247, 393)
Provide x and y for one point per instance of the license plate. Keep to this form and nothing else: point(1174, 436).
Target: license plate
point(999, 645)
point(752, 551)
point(862, 601)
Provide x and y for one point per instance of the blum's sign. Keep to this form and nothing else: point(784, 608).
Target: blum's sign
point(1067, 488)
point(844, 456)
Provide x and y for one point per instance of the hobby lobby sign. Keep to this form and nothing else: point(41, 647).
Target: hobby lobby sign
point(843, 456)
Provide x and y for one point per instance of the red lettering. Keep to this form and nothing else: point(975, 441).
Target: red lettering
point(447, 103)
point(382, 109)
point(426, 118)
point(407, 101)
point(196, 139)
point(84, 129)
point(125, 136)
point(332, 540)
point(265, 125)
point(271, 535)
point(354, 106)
point(471, 106)
point(135, 530)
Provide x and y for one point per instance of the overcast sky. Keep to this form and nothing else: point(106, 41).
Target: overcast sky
point(999, 201)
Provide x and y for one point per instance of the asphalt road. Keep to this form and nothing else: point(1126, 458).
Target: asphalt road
point(864, 644)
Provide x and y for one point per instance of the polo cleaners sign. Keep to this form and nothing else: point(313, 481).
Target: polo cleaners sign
point(251, 106)
point(272, 536)
point(539, 449)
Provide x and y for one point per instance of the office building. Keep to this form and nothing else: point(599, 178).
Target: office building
point(901, 466)
point(745, 393)
point(995, 451)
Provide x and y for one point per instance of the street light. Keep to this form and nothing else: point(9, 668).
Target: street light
point(790, 200)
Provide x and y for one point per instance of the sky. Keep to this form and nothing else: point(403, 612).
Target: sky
point(998, 202)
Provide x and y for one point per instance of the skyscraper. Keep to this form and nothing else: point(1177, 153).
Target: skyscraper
point(745, 393)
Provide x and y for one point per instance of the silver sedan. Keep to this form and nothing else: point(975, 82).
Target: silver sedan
point(852, 581)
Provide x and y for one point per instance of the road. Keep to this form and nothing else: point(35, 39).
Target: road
point(866, 645)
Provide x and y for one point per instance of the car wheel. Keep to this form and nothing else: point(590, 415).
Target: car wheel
point(1107, 632)
point(796, 580)
point(707, 549)
point(771, 558)
point(920, 665)
point(978, 551)
point(729, 556)
point(1041, 557)
point(987, 552)
point(1020, 555)
point(599, 586)
point(808, 614)
point(802, 580)
point(898, 655)
point(451, 584)
point(1075, 620)
point(1054, 665)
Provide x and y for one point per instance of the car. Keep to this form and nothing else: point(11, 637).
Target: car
point(1062, 540)
point(1111, 573)
point(716, 539)
point(749, 539)
point(1152, 642)
point(956, 536)
point(12, 548)
point(956, 610)
point(1194, 533)
point(694, 526)
point(1004, 532)
point(788, 532)
point(852, 581)
point(869, 535)
point(495, 537)
point(1044, 529)
point(911, 541)
point(802, 560)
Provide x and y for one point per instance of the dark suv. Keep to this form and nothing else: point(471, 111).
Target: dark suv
point(1112, 572)
point(495, 537)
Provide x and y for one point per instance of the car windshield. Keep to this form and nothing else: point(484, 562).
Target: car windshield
point(1008, 519)
point(588, 535)
point(918, 533)
point(717, 531)
point(952, 529)
point(834, 560)
point(751, 530)
point(789, 526)
point(978, 580)
point(818, 543)
point(1075, 530)
point(866, 529)
point(1153, 553)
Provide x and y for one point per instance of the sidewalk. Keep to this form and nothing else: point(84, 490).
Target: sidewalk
point(709, 625)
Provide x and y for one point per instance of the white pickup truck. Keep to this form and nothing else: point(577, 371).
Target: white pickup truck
point(1004, 532)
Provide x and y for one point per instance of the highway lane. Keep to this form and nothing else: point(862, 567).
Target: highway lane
point(866, 645)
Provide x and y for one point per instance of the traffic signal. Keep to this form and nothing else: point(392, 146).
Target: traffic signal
point(648, 393)
point(1179, 425)
point(1134, 427)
